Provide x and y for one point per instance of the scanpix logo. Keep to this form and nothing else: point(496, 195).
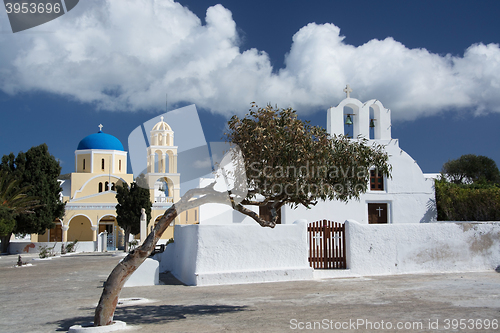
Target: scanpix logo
point(26, 14)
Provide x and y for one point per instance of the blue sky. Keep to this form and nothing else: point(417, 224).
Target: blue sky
point(435, 64)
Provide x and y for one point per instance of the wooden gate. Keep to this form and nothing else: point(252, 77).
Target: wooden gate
point(327, 248)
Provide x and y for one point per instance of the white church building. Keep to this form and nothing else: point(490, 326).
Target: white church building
point(405, 197)
point(391, 229)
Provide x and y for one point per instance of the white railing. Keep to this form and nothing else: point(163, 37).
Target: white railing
point(164, 199)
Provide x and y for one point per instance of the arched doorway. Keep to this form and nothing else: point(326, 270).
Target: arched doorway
point(107, 223)
point(80, 229)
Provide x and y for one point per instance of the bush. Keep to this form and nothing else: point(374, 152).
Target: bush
point(45, 251)
point(473, 202)
point(71, 247)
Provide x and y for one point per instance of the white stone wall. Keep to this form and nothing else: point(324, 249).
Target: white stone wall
point(16, 247)
point(238, 253)
point(422, 248)
point(234, 254)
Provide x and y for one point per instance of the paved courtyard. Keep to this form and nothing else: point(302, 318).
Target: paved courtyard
point(52, 295)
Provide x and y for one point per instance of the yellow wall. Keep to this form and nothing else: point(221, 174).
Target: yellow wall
point(98, 157)
point(191, 216)
point(92, 187)
point(79, 163)
point(79, 229)
point(123, 160)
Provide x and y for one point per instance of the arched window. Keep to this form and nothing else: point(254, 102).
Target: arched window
point(113, 188)
point(186, 215)
point(83, 164)
point(195, 215)
point(106, 186)
point(102, 164)
point(120, 165)
point(100, 187)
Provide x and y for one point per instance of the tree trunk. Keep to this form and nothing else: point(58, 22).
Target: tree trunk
point(5, 243)
point(126, 233)
point(120, 274)
point(105, 310)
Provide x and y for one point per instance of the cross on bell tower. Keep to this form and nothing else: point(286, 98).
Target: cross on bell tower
point(348, 90)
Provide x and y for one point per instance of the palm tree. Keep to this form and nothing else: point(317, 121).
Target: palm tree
point(13, 201)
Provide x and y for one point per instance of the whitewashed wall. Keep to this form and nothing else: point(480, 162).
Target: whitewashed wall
point(422, 248)
point(16, 247)
point(232, 254)
point(238, 253)
point(216, 214)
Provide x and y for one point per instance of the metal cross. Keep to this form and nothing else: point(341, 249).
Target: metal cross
point(348, 91)
point(379, 209)
point(100, 127)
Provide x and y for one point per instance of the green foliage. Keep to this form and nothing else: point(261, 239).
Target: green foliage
point(128, 210)
point(13, 202)
point(7, 221)
point(71, 247)
point(39, 170)
point(45, 251)
point(472, 168)
point(289, 161)
point(474, 202)
point(68, 248)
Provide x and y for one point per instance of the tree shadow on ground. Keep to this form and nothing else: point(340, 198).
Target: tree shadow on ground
point(168, 278)
point(153, 314)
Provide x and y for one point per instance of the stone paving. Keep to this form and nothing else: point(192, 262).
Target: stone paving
point(52, 295)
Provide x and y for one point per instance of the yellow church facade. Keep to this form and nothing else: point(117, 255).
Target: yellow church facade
point(90, 191)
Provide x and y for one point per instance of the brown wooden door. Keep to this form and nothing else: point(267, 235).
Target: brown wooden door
point(377, 213)
point(56, 234)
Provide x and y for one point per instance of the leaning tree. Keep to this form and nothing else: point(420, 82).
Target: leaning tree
point(276, 159)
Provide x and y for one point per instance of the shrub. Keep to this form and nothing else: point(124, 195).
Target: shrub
point(473, 202)
point(45, 251)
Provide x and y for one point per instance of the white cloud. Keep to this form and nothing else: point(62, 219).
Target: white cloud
point(125, 55)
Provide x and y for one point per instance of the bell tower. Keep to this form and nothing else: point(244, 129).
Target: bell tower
point(370, 120)
point(162, 173)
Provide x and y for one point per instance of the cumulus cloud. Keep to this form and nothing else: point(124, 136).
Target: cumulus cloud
point(126, 54)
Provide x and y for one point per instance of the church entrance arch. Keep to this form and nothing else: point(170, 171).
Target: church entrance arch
point(107, 223)
point(80, 229)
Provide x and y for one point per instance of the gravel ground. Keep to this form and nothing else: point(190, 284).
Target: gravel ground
point(52, 295)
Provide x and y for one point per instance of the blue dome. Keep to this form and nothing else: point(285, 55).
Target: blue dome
point(100, 140)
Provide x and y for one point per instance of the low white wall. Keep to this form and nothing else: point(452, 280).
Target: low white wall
point(422, 248)
point(34, 247)
point(146, 275)
point(230, 254)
